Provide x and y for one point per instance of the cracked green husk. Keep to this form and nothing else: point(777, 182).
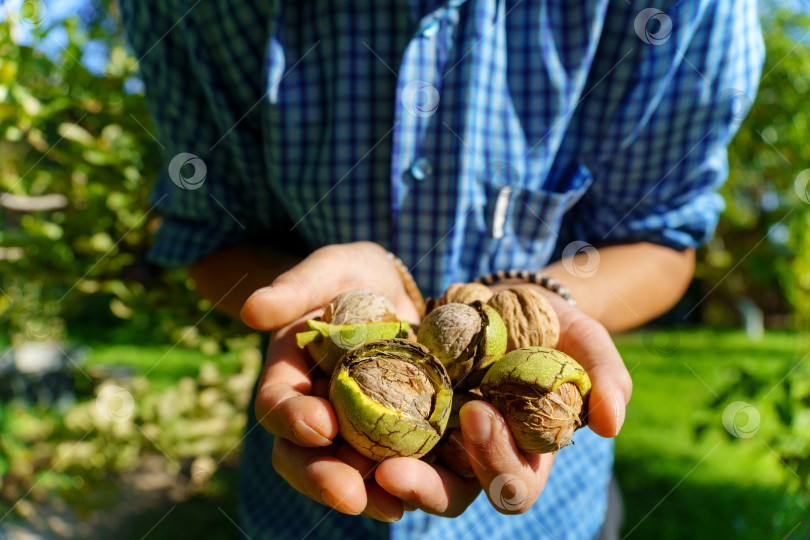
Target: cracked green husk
point(327, 343)
point(379, 432)
point(526, 386)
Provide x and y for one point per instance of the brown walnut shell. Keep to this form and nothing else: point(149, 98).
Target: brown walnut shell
point(357, 306)
point(529, 318)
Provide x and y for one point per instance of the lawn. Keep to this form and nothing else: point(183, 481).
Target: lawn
point(675, 483)
point(713, 486)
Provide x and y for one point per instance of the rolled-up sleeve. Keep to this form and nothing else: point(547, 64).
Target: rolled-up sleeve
point(659, 183)
point(199, 194)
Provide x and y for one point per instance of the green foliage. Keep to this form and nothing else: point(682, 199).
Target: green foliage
point(765, 158)
point(78, 450)
point(66, 131)
point(674, 449)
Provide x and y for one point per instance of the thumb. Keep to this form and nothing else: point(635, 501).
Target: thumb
point(307, 286)
point(316, 280)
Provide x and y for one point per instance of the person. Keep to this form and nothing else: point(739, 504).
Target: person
point(307, 140)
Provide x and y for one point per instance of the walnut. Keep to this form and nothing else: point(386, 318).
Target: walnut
point(467, 293)
point(357, 306)
point(529, 318)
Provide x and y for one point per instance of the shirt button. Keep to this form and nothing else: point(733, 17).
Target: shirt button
point(421, 169)
point(430, 29)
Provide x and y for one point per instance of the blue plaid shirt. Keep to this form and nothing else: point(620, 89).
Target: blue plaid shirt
point(465, 136)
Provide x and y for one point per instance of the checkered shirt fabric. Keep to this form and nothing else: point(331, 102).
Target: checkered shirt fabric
point(466, 137)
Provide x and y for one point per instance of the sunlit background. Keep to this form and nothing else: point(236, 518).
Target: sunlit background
point(123, 396)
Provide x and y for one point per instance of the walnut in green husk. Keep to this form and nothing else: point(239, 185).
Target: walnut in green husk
point(542, 394)
point(351, 319)
point(467, 339)
point(391, 398)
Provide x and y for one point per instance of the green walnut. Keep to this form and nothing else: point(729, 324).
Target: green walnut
point(391, 398)
point(351, 319)
point(542, 394)
point(467, 339)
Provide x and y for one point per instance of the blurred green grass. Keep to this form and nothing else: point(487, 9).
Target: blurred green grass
point(674, 483)
point(677, 484)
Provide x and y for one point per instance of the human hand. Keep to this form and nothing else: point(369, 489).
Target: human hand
point(291, 401)
point(513, 480)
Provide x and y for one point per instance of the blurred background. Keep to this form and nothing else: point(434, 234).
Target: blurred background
point(123, 396)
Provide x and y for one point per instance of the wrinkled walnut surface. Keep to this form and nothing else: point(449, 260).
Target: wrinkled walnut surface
point(395, 384)
point(467, 293)
point(540, 422)
point(449, 330)
point(357, 306)
point(529, 318)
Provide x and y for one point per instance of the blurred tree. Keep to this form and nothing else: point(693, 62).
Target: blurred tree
point(764, 224)
point(85, 137)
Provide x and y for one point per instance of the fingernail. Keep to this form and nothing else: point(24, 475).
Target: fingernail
point(374, 512)
point(330, 500)
point(618, 404)
point(476, 426)
point(307, 435)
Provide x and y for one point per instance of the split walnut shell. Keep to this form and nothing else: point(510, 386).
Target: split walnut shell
point(327, 343)
point(542, 394)
point(391, 398)
point(529, 318)
point(467, 339)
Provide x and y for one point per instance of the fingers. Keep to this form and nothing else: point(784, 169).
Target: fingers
point(590, 344)
point(430, 488)
point(320, 476)
point(320, 277)
point(511, 479)
point(307, 286)
point(381, 504)
point(281, 405)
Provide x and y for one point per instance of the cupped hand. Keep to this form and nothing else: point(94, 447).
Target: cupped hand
point(291, 400)
point(291, 403)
